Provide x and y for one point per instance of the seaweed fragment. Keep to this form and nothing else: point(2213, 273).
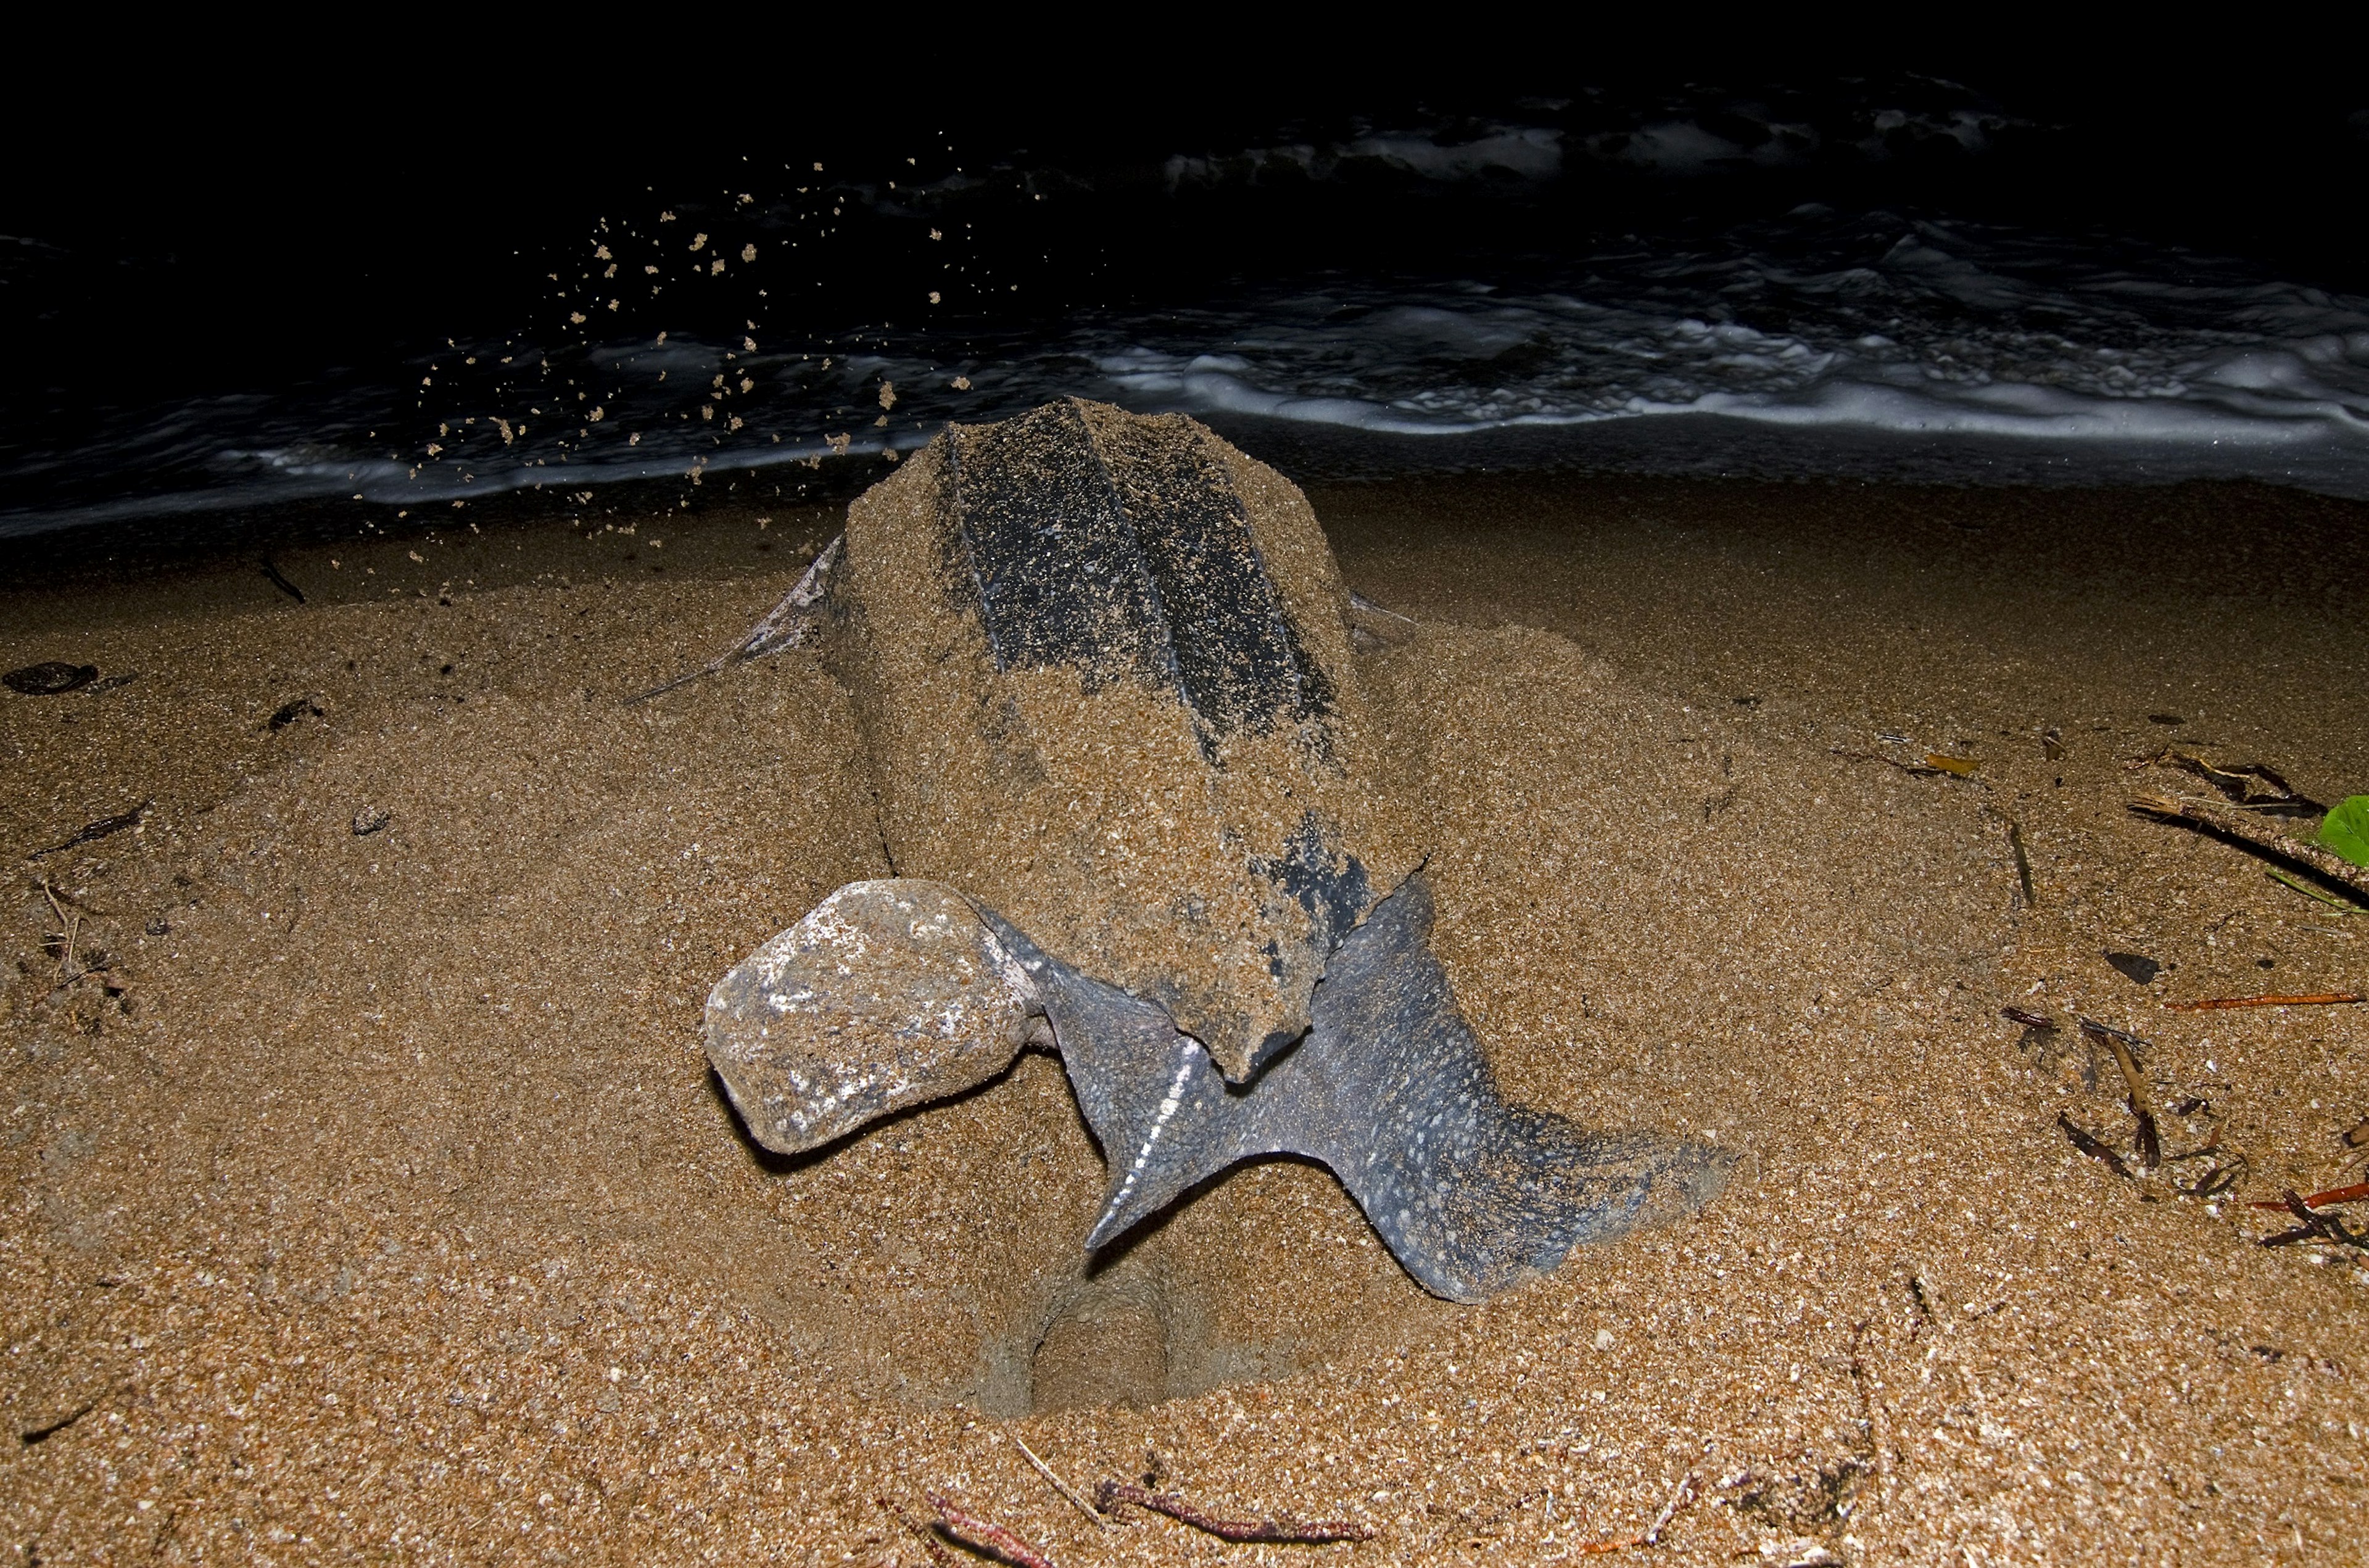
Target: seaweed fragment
point(2120, 1041)
point(2088, 1143)
point(90, 832)
point(282, 583)
point(2314, 1227)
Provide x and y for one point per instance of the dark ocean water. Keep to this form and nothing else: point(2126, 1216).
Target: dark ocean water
point(1900, 275)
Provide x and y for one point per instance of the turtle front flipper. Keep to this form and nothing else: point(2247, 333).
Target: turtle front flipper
point(888, 994)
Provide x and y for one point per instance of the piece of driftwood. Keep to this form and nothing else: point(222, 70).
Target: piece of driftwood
point(2252, 829)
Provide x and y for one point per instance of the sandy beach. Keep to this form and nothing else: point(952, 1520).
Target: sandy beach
point(369, 1198)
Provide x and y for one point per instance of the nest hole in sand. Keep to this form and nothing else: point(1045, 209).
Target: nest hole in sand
point(975, 1287)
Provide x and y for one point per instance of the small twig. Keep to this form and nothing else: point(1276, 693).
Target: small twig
point(986, 1535)
point(1650, 1535)
point(34, 1436)
point(70, 929)
point(2119, 1042)
point(2108, 1031)
point(2150, 1143)
point(1282, 1532)
point(2223, 1003)
point(2253, 830)
point(2028, 1019)
point(1669, 1509)
point(1060, 1485)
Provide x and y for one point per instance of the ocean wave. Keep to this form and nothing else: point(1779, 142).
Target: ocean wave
point(1821, 324)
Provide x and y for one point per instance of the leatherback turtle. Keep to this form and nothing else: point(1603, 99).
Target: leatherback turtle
point(1138, 812)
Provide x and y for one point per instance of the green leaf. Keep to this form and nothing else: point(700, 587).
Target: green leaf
point(2346, 830)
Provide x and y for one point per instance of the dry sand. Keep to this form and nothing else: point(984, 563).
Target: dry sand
point(368, 1198)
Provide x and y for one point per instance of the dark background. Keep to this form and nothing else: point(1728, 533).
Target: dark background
point(239, 226)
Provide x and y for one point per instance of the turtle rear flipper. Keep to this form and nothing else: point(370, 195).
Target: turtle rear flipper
point(1471, 1193)
point(1390, 1089)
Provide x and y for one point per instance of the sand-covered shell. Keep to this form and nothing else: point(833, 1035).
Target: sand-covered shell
point(1103, 662)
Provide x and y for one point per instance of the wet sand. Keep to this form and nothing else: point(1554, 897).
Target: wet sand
point(369, 1197)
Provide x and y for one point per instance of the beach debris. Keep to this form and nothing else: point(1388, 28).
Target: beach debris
point(2254, 785)
point(2135, 968)
point(2354, 1193)
point(1928, 764)
point(288, 712)
point(61, 943)
point(2042, 1037)
point(2088, 1143)
point(1063, 1487)
point(2219, 1178)
point(2345, 828)
point(787, 624)
point(2052, 744)
point(2023, 860)
point(50, 679)
point(1270, 1532)
point(981, 1534)
point(91, 831)
point(370, 819)
point(282, 583)
point(2314, 1226)
point(2341, 905)
point(2223, 1004)
point(2165, 718)
point(1650, 1535)
point(2120, 1042)
point(922, 1533)
point(32, 1437)
point(1372, 626)
point(2357, 1135)
point(2235, 822)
